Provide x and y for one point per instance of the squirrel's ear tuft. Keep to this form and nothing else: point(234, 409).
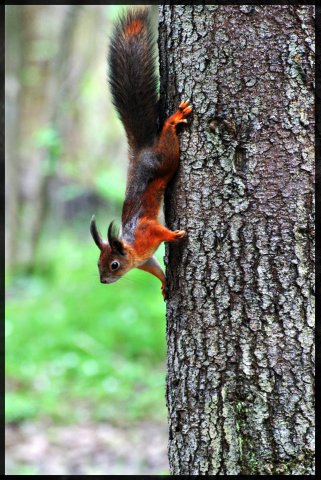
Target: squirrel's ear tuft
point(114, 241)
point(95, 233)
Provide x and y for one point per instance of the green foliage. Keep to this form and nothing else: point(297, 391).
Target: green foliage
point(48, 138)
point(78, 349)
point(111, 184)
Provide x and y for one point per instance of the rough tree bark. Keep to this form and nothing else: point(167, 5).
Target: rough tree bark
point(240, 307)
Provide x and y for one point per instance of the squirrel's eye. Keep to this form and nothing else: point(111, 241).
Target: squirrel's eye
point(115, 265)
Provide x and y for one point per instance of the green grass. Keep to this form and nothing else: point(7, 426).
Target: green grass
point(77, 349)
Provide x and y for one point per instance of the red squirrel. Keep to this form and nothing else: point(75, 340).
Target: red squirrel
point(153, 153)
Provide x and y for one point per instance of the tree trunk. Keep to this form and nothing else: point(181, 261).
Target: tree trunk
point(240, 306)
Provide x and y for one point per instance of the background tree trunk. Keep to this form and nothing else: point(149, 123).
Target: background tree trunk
point(44, 105)
point(14, 63)
point(46, 69)
point(240, 307)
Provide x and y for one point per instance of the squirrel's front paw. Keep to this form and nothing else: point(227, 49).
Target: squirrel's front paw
point(179, 234)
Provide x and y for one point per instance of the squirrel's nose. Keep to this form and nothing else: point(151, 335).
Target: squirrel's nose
point(103, 280)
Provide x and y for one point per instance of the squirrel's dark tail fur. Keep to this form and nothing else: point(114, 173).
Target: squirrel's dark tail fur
point(133, 78)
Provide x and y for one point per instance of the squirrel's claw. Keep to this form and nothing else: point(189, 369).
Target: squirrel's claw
point(185, 108)
point(163, 288)
point(183, 105)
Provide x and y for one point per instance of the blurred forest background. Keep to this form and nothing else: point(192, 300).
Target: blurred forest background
point(85, 362)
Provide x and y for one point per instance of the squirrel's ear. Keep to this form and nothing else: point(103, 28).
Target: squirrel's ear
point(95, 234)
point(114, 241)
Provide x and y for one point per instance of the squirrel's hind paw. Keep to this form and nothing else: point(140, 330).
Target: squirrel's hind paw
point(183, 105)
point(180, 116)
point(185, 108)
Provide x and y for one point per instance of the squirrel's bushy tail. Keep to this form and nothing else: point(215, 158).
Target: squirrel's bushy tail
point(133, 78)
